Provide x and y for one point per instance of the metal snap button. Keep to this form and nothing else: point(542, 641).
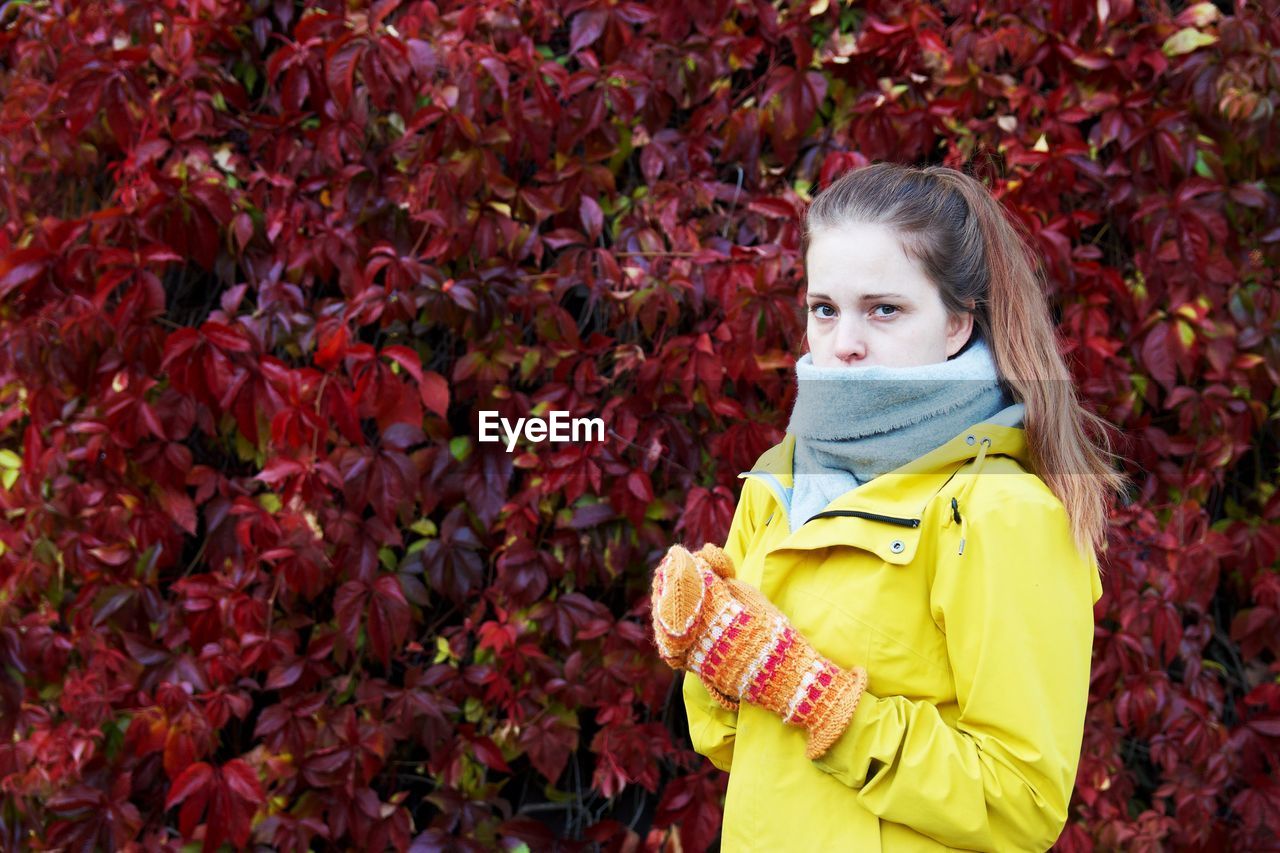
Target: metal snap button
point(896, 546)
point(969, 440)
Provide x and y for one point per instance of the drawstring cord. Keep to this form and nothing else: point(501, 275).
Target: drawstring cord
point(964, 491)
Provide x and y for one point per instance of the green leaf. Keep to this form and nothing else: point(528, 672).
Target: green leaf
point(660, 510)
point(1185, 333)
point(1202, 168)
point(56, 591)
point(114, 739)
point(1139, 383)
point(529, 363)
point(245, 451)
point(145, 562)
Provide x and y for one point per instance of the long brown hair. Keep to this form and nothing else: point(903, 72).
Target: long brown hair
point(976, 255)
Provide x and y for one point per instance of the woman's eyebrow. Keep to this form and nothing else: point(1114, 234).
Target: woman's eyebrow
point(866, 297)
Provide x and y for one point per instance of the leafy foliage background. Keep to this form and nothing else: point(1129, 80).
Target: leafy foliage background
point(262, 263)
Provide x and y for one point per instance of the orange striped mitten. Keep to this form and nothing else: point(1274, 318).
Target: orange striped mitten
point(742, 647)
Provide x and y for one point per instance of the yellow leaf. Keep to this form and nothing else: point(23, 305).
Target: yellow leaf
point(424, 527)
point(443, 650)
point(1185, 333)
point(1188, 312)
point(1186, 40)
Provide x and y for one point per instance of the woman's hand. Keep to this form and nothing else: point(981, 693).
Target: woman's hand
point(742, 647)
point(691, 608)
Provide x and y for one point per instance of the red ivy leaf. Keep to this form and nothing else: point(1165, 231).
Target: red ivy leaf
point(549, 743)
point(591, 215)
point(193, 784)
point(406, 358)
point(21, 266)
point(388, 618)
point(348, 606)
point(333, 347)
point(435, 393)
point(340, 60)
point(1158, 354)
point(225, 337)
point(285, 675)
point(489, 755)
point(233, 795)
point(178, 506)
point(585, 28)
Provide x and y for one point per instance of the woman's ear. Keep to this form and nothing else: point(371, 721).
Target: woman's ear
point(959, 328)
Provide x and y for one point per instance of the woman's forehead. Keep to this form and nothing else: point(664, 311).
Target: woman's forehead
point(859, 260)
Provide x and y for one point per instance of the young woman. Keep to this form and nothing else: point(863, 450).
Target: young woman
point(892, 650)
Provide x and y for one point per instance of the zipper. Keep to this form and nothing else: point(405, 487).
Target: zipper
point(890, 519)
point(776, 486)
point(777, 489)
point(855, 513)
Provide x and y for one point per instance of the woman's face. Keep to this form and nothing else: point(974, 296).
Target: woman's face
point(869, 303)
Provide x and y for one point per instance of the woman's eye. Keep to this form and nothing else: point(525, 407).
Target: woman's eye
point(886, 305)
point(813, 309)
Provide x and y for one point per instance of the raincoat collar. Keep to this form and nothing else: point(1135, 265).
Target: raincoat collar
point(888, 508)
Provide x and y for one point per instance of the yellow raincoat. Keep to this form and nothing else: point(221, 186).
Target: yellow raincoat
point(969, 733)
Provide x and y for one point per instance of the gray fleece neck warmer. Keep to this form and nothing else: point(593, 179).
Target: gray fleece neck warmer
point(853, 424)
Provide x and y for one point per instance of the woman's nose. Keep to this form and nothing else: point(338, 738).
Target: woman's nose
point(851, 342)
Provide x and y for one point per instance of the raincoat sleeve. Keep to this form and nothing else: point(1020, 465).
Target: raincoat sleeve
point(712, 727)
point(1017, 612)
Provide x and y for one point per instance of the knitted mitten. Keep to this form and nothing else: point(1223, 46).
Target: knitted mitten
point(689, 607)
point(742, 647)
